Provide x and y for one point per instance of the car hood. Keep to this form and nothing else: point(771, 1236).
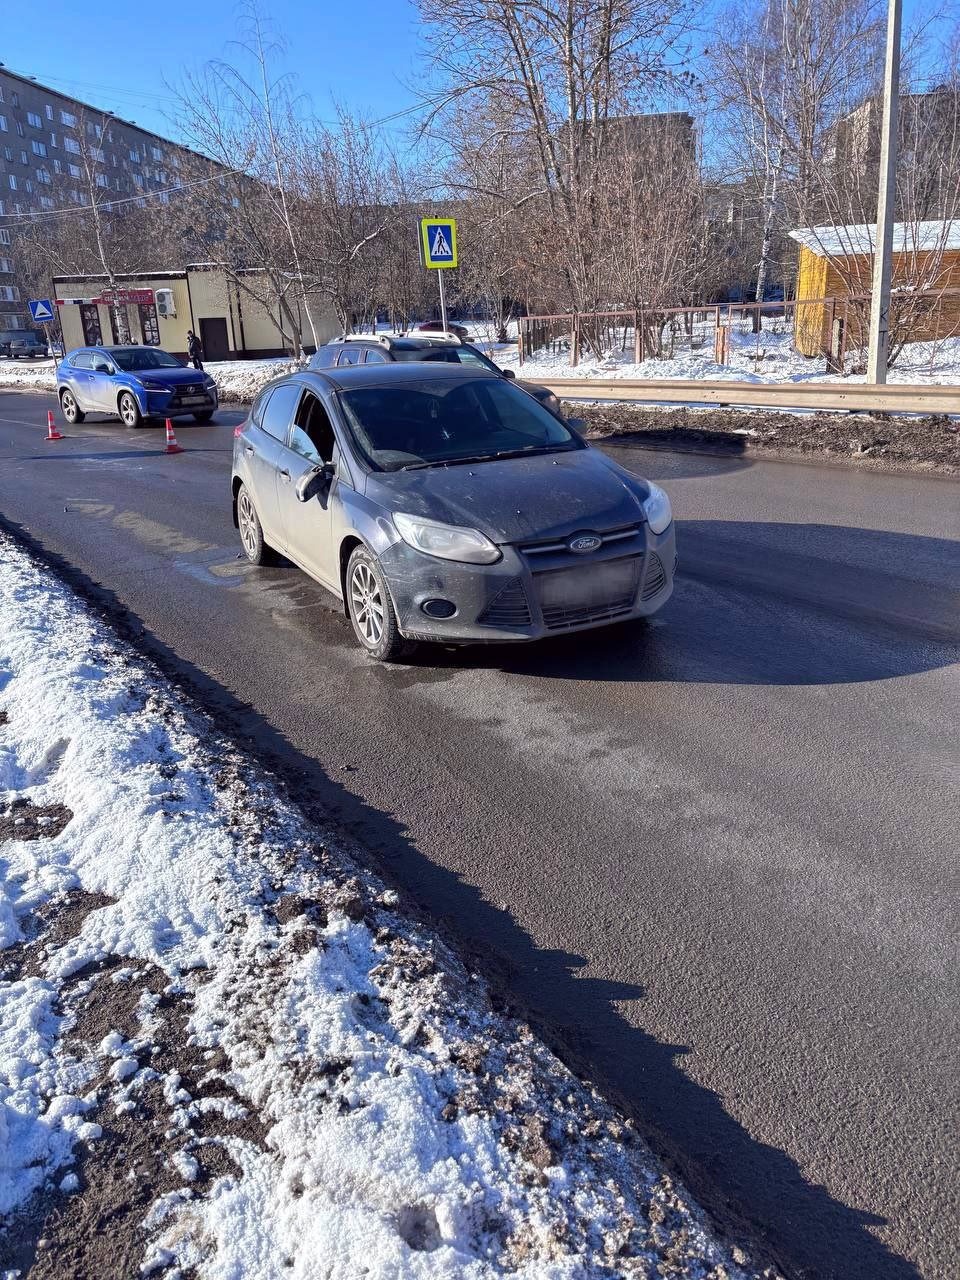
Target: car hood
point(519, 499)
point(172, 377)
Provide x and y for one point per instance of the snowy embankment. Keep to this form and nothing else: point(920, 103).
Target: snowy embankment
point(238, 380)
point(769, 360)
point(224, 1049)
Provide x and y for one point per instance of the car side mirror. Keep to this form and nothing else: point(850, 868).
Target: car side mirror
point(315, 481)
point(509, 374)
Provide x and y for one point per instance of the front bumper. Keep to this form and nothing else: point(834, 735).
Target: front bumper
point(171, 404)
point(504, 602)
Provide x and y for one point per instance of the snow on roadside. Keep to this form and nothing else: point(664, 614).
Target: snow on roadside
point(238, 380)
point(374, 1115)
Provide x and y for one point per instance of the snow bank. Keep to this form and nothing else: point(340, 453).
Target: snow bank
point(238, 380)
point(405, 1128)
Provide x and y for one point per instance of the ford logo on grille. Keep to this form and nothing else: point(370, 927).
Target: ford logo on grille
point(583, 543)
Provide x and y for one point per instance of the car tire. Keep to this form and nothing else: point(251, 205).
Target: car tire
point(129, 410)
point(371, 610)
point(255, 546)
point(72, 413)
point(204, 417)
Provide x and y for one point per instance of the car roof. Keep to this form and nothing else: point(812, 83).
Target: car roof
point(346, 377)
point(425, 342)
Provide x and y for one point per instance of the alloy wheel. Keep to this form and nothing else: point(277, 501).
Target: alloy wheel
point(367, 604)
point(247, 520)
point(69, 406)
point(128, 411)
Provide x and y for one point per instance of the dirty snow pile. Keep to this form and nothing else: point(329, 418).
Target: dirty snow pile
point(224, 1039)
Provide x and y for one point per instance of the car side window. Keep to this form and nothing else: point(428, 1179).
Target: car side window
point(102, 365)
point(373, 356)
point(349, 355)
point(279, 409)
point(82, 360)
point(442, 356)
point(312, 435)
point(323, 357)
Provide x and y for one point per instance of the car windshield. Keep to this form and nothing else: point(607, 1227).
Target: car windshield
point(440, 423)
point(135, 358)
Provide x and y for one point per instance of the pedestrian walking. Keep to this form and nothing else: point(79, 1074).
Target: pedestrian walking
point(194, 349)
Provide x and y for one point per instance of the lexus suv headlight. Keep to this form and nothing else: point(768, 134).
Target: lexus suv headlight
point(448, 541)
point(154, 386)
point(657, 510)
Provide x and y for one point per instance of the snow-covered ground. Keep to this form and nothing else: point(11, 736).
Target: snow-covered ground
point(238, 380)
point(772, 359)
point(223, 1038)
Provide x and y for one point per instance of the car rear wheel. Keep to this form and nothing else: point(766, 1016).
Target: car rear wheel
point(257, 550)
point(371, 609)
point(71, 410)
point(129, 410)
point(205, 416)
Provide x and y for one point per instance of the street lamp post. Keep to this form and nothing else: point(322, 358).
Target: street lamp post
point(879, 339)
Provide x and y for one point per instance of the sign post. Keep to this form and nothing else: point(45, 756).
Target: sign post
point(438, 249)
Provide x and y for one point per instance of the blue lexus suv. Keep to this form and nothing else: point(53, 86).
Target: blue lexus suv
point(133, 382)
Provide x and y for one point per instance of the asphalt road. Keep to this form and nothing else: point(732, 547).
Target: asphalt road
point(715, 858)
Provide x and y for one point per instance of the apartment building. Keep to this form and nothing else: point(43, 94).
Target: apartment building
point(48, 143)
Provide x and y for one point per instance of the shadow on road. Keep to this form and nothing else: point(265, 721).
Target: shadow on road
point(747, 1186)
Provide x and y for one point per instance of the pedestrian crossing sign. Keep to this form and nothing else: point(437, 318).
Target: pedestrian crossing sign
point(438, 240)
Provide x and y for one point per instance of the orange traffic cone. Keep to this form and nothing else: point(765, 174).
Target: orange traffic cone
point(172, 446)
point(52, 432)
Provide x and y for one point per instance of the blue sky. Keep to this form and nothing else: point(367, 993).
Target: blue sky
point(358, 52)
point(363, 53)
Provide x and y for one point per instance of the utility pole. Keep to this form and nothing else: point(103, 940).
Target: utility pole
point(879, 340)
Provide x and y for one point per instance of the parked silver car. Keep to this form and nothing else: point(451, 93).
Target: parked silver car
point(445, 504)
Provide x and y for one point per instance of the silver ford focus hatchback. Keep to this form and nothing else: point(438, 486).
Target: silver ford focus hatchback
point(444, 504)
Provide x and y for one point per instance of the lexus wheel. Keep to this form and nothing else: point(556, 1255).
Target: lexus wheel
point(71, 410)
point(129, 410)
point(257, 550)
point(371, 609)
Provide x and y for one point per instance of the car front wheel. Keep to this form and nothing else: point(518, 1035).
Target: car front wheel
point(129, 410)
point(71, 410)
point(371, 609)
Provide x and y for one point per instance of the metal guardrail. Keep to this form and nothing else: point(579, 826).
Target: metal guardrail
point(784, 395)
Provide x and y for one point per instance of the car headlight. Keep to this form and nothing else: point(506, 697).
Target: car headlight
point(154, 386)
point(209, 384)
point(448, 541)
point(656, 508)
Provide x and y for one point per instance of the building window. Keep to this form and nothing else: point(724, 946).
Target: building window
point(6, 265)
point(28, 186)
point(24, 158)
point(14, 99)
point(157, 153)
point(57, 167)
point(48, 110)
point(43, 175)
point(38, 148)
point(90, 323)
point(138, 179)
point(72, 145)
point(3, 124)
point(46, 202)
point(12, 179)
point(19, 128)
point(102, 180)
point(97, 153)
point(149, 325)
point(74, 170)
point(135, 156)
point(113, 160)
point(8, 155)
point(34, 120)
point(53, 139)
point(69, 119)
point(4, 233)
point(9, 293)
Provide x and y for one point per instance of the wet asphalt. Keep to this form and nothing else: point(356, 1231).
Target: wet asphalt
point(715, 859)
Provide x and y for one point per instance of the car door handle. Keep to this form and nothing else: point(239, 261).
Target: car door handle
point(285, 474)
point(249, 449)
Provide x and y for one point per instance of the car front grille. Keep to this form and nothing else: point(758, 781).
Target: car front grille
point(552, 546)
point(508, 608)
point(656, 577)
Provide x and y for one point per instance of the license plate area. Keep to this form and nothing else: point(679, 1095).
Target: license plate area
point(572, 595)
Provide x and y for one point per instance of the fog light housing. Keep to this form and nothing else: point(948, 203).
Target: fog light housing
point(438, 608)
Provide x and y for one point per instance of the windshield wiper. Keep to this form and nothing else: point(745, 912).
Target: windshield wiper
point(488, 457)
